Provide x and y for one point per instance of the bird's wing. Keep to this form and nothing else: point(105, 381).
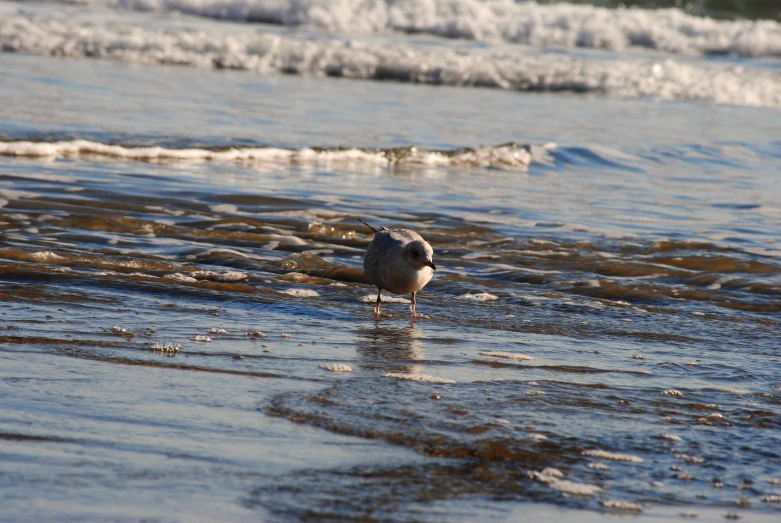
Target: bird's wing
point(378, 248)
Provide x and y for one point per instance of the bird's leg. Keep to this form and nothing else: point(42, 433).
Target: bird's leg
point(412, 305)
point(379, 300)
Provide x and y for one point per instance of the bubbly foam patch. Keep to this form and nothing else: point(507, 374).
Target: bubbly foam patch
point(417, 377)
point(622, 505)
point(552, 478)
point(480, 296)
point(166, 348)
point(615, 456)
point(178, 276)
point(228, 276)
point(45, 256)
point(336, 367)
point(301, 293)
point(224, 208)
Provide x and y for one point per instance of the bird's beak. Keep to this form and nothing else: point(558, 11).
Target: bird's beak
point(431, 264)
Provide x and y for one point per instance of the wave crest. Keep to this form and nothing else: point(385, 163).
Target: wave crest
point(557, 25)
point(491, 66)
point(506, 156)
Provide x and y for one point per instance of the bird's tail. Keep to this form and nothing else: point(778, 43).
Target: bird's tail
point(375, 231)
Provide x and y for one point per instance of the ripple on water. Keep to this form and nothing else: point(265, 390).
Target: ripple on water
point(414, 376)
point(703, 313)
point(500, 433)
point(507, 355)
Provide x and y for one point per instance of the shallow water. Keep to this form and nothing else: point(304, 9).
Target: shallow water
point(179, 268)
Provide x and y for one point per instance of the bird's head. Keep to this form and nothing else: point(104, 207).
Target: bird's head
point(419, 254)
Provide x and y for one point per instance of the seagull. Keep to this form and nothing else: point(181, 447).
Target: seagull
point(398, 261)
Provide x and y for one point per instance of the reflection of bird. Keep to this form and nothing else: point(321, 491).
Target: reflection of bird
point(385, 346)
point(398, 261)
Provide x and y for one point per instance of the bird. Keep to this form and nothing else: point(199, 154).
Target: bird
point(399, 261)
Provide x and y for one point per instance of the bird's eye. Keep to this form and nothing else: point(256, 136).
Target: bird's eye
point(415, 254)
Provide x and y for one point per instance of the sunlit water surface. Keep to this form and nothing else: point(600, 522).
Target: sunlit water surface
point(612, 311)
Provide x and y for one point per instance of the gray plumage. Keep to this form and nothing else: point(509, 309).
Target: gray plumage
point(398, 261)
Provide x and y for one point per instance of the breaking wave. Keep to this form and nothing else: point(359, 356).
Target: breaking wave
point(378, 58)
point(559, 25)
point(506, 156)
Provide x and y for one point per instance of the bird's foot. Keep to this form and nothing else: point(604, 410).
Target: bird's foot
point(380, 314)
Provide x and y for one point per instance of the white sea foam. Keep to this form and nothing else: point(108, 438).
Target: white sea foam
point(45, 256)
point(506, 355)
point(417, 377)
point(509, 156)
point(228, 276)
point(480, 296)
point(547, 475)
point(166, 348)
point(552, 478)
point(178, 276)
point(622, 505)
point(224, 208)
point(615, 456)
point(735, 390)
point(302, 293)
point(38, 30)
point(559, 25)
point(386, 298)
point(336, 367)
point(295, 277)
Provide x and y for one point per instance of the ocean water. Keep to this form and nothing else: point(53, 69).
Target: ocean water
point(185, 332)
